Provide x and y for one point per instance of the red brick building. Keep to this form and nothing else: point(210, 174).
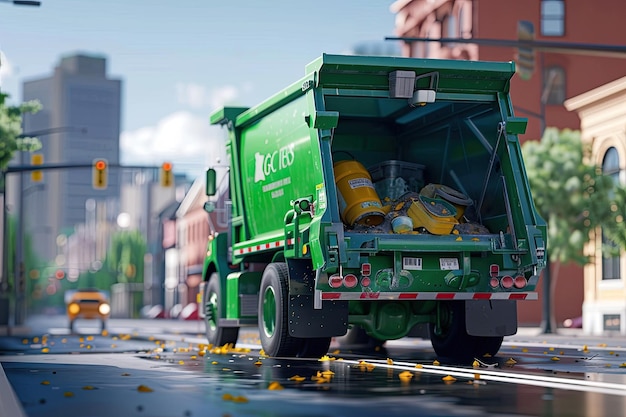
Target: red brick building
point(556, 76)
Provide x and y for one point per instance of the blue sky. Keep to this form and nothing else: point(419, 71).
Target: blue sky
point(180, 60)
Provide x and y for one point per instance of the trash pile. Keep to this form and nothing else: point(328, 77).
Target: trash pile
point(434, 218)
point(436, 209)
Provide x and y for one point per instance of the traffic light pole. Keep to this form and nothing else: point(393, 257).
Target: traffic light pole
point(19, 279)
point(609, 51)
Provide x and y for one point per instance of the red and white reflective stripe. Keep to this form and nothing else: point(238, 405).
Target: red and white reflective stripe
point(264, 246)
point(429, 296)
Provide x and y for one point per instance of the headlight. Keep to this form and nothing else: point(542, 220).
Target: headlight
point(73, 308)
point(104, 309)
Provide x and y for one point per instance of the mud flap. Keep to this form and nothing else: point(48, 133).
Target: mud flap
point(491, 318)
point(306, 321)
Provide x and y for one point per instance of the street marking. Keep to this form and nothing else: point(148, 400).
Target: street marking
point(506, 377)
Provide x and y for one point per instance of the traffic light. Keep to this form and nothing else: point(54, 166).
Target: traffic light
point(36, 159)
point(167, 176)
point(99, 174)
point(525, 54)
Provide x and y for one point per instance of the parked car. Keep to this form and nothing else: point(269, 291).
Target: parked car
point(87, 303)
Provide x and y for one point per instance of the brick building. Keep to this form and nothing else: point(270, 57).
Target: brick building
point(539, 94)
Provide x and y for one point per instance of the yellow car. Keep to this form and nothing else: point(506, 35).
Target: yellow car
point(87, 304)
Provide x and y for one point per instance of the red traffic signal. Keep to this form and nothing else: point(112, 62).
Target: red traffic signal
point(166, 174)
point(99, 174)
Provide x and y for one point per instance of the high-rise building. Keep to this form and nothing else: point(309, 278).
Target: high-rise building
point(79, 122)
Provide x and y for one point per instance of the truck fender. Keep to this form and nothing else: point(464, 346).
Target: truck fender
point(306, 320)
point(492, 318)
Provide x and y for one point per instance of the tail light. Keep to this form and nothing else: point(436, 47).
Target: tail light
point(350, 281)
point(520, 281)
point(335, 281)
point(507, 282)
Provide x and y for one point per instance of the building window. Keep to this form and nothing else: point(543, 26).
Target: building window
point(554, 86)
point(465, 31)
point(610, 263)
point(450, 26)
point(552, 17)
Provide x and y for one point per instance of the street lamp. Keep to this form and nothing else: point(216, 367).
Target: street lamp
point(22, 2)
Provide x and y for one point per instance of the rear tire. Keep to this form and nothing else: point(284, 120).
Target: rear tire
point(314, 347)
point(273, 312)
point(214, 310)
point(452, 341)
point(487, 346)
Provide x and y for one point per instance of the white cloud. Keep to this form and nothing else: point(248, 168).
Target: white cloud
point(184, 138)
point(6, 69)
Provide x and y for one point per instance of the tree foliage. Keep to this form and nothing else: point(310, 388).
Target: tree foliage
point(11, 129)
point(574, 197)
point(125, 256)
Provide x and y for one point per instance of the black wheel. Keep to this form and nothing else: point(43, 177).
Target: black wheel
point(487, 345)
point(273, 311)
point(314, 347)
point(450, 340)
point(214, 310)
point(72, 326)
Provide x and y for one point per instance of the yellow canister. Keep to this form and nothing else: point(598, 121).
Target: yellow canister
point(358, 201)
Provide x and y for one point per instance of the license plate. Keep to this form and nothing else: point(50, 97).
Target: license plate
point(448, 263)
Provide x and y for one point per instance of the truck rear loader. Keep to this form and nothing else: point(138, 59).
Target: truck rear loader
point(378, 194)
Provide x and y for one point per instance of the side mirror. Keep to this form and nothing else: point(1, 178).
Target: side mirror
point(211, 182)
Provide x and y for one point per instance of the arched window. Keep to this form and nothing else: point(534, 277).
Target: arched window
point(610, 264)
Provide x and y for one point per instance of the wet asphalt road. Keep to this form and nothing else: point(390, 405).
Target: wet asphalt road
point(139, 370)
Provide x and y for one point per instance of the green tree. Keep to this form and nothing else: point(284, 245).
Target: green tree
point(125, 256)
point(11, 138)
point(575, 198)
point(125, 262)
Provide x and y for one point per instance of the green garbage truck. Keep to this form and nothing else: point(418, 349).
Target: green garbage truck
point(374, 193)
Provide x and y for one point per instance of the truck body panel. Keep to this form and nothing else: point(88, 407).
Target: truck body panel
point(433, 148)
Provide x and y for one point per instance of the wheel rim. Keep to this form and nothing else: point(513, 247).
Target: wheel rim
point(211, 310)
point(269, 311)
